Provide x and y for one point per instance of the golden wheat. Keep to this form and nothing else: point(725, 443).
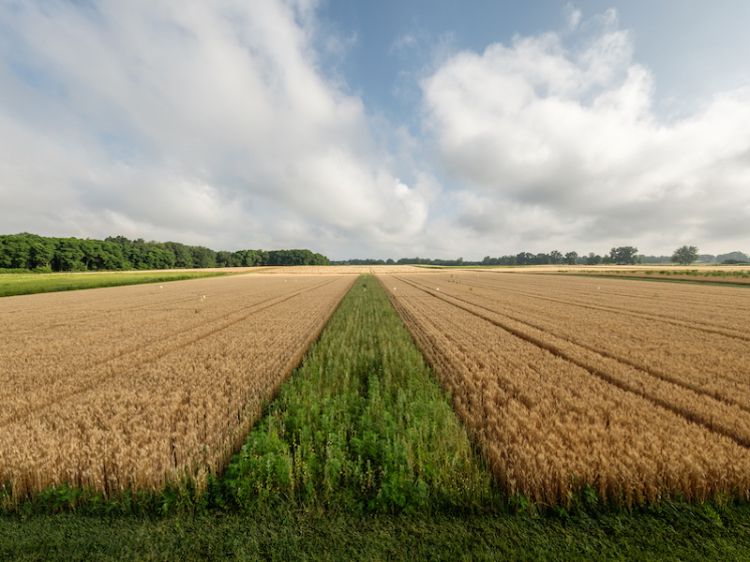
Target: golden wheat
point(555, 399)
point(136, 387)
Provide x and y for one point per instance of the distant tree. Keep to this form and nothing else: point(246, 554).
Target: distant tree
point(593, 259)
point(555, 257)
point(571, 258)
point(524, 258)
point(685, 255)
point(203, 257)
point(183, 257)
point(223, 259)
point(733, 257)
point(624, 255)
point(41, 252)
point(68, 255)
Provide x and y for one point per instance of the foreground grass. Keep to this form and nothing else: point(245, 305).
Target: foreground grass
point(672, 533)
point(29, 283)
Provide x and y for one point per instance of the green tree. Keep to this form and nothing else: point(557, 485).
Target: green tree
point(571, 258)
point(68, 255)
point(624, 255)
point(685, 255)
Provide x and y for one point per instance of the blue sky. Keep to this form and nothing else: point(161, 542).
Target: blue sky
point(693, 47)
point(380, 129)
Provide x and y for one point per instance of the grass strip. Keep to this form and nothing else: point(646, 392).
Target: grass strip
point(686, 533)
point(362, 425)
point(29, 283)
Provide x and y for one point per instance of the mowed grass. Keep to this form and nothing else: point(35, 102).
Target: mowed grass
point(361, 458)
point(29, 283)
point(686, 533)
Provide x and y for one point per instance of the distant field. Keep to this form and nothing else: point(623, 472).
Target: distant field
point(719, 274)
point(708, 274)
point(29, 283)
point(602, 268)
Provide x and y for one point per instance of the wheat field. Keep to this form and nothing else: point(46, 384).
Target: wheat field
point(640, 391)
point(138, 387)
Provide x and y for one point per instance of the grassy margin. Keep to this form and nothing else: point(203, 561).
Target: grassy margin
point(13, 284)
point(669, 534)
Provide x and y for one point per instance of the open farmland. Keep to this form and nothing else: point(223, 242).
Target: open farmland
point(637, 391)
point(145, 385)
point(139, 387)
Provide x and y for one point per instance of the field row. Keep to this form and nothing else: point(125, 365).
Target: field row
point(735, 276)
point(563, 385)
point(141, 386)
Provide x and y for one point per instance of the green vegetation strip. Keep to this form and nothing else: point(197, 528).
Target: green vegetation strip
point(667, 535)
point(29, 283)
point(362, 425)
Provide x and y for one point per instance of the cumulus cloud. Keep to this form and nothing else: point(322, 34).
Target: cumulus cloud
point(226, 123)
point(208, 122)
point(553, 140)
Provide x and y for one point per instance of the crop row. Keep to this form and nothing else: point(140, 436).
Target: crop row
point(138, 387)
point(555, 402)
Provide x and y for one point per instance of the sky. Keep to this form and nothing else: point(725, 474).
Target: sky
point(379, 129)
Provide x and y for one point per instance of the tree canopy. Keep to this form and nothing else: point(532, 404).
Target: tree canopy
point(685, 255)
point(624, 255)
point(41, 253)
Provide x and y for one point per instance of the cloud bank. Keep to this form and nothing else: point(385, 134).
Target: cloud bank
point(552, 141)
point(202, 121)
point(218, 123)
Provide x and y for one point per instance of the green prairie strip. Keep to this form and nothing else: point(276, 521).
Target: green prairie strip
point(362, 425)
point(29, 283)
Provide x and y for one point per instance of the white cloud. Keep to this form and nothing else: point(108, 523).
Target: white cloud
point(573, 16)
point(403, 42)
point(215, 123)
point(204, 122)
point(552, 145)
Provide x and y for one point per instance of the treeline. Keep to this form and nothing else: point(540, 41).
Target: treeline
point(41, 253)
point(622, 255)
